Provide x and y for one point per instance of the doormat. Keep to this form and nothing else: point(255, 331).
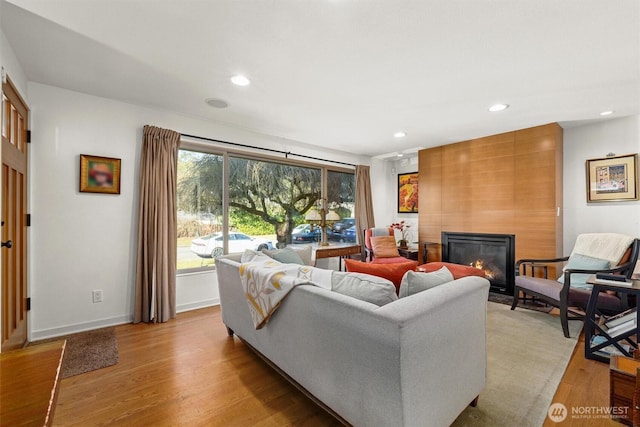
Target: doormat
point(87, 351)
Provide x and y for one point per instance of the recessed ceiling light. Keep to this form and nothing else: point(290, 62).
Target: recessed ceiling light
point(240, 80)
point(607, 113)
point(216, 102)
point(498, 107)
point(400, 134)
point(400, 155)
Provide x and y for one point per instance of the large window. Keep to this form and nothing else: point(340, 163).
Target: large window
point(199, 195)
point(261, 202)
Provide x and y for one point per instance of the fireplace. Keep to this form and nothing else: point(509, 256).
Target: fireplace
point(492, 253)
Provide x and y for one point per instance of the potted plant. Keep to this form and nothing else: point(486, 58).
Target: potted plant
point(403, 243)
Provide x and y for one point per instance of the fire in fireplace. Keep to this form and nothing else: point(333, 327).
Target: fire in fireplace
point(494, 254)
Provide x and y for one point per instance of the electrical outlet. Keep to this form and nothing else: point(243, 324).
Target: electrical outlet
point(97, 296)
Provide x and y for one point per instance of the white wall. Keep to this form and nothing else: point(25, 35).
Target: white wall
point(384, 183)
point(11, 65)
point(620, 136)
point(81, 242)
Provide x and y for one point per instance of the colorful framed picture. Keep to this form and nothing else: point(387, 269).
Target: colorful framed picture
point(612, 179)
point(99, 174)
point(408, 192)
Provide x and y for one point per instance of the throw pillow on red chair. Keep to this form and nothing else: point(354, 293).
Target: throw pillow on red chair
point(392, 272)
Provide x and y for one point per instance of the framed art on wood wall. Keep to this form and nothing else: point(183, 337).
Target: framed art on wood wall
point(612, 179)
point(99, 174)
point(408, 192)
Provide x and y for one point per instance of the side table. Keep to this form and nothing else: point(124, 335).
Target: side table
point(424, 246)
point(411, 254)
point(622, 384)
point(591, 325)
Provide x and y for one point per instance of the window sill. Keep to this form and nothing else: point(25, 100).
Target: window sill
point(195, 271)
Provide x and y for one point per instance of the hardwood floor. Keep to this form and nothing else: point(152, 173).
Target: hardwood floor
point(189, 372)
point(185, 372)
point(585, 383)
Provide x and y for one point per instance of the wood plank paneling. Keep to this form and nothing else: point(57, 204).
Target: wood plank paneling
point(509, 183)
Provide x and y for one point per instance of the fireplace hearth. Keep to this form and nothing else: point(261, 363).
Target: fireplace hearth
point(494, 254)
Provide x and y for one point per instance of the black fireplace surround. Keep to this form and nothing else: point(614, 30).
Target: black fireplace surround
point(492, 253)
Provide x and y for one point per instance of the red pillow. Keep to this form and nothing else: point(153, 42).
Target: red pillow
point(393, 272)
point(457, 270)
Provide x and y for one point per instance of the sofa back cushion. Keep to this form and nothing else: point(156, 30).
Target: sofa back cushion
point(384, 247)
point(392, 272)
point(414, 282)
point(365, 287)
point(285, 256)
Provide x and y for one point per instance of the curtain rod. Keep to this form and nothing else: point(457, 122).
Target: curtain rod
point(271, 150)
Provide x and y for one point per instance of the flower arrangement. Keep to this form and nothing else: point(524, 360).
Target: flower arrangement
point(404, 232)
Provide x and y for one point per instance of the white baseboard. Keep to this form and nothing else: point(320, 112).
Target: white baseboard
point(79, 327)
point(112, 321)
point(197, 305)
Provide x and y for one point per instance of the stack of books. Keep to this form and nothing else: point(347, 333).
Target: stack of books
point(623, 322)
point(609, 350)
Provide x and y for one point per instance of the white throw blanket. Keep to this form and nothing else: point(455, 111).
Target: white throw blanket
point(267, 282)
point(609, 246)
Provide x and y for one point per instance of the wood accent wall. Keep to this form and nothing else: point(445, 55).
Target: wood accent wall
point(509, 183)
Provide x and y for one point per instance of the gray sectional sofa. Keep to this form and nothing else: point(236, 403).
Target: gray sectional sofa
point(417, 361)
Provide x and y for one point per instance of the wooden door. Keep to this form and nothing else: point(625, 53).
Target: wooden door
point(15, 118)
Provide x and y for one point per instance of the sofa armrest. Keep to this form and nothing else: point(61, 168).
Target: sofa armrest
point(442, 338)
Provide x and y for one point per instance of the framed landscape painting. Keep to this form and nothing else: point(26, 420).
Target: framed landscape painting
point(612, 179)
point(99, 174)
point(408, 192)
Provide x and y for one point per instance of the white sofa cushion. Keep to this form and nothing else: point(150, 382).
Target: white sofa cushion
point(414, 282)
point(364, 287)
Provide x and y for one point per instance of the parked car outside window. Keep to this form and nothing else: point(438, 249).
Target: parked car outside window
point(211, 246)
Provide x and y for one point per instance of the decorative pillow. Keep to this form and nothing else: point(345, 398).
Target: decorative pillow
point(285, 256)
point(583, 262)
point(392, 272)
point(365, 287)
point(414, 282)
point(384, 247)
point(458, 270)
point(253, 256)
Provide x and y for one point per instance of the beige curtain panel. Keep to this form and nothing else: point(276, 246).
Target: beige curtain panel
point(155, 299)
point(364, 202)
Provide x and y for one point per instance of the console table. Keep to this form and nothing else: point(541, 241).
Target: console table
point(591, 325)
point(29, 384)
point(340, 250)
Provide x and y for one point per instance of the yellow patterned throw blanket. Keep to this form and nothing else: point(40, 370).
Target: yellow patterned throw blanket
point(267, 282)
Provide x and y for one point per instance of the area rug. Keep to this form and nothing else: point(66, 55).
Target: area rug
point(88, 351)
point(530, 305)
point(527, 356)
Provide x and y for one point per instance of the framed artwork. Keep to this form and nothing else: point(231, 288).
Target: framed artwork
point(408, 192)
point(612, 179)
point(99, 174)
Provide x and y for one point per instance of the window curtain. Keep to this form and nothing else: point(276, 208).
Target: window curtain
point(364, 202)
point(155, 298)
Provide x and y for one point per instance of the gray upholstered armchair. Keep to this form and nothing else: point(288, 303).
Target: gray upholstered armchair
point(592, 253)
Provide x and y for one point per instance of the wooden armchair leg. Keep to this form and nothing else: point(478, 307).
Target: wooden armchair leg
point(564, 320)
point(474, 402)
point(516, 298)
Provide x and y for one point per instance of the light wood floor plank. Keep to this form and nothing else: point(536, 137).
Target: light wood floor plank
point(189, 372)
point(184, 372)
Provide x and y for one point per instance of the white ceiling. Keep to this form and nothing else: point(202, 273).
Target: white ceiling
point(344, 74)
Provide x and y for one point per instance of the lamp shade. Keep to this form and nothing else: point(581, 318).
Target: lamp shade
point(333, 216)
point(313, 215)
